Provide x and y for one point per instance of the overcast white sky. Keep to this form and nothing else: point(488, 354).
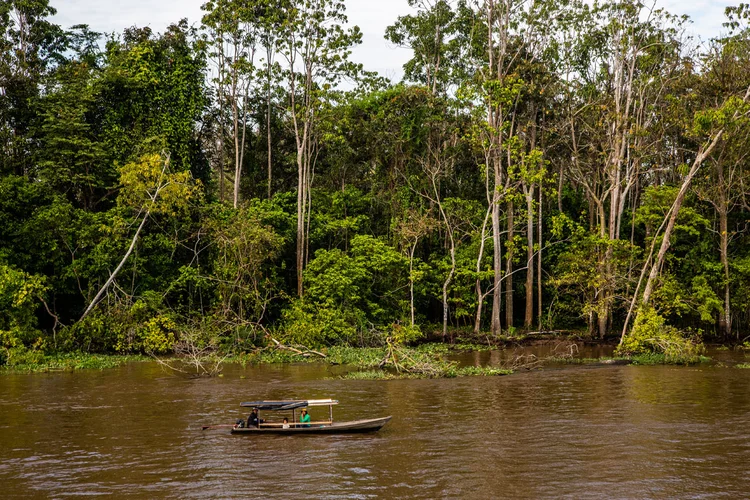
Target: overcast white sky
point(372, 16)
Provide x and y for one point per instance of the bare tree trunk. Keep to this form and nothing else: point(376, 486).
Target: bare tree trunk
point(539, 264)
point(112, 276)
point(301, 203)
point(237, 162)
point(235, 124)
point(496, 252)
point(268, 117)
point(452, 242)
point(509, 269)
point(722, 208)
point(221, 161)
point(559, 189)
point(117, 269)
point(480, 294)
point(725, 320)
point(674, 211)
point(411, 280)
point(670, 220)
point(529, 313)
point(221, 121)
point(241, 159)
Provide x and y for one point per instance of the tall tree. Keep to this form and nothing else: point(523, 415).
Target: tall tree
point(30, 45)
point(234, 33)
point(316, 47)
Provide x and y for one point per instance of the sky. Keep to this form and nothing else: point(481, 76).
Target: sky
point(372, 17)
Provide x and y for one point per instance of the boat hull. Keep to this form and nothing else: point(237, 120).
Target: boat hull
point(369, 425)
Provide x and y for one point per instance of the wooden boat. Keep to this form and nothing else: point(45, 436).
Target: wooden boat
point(312, 427)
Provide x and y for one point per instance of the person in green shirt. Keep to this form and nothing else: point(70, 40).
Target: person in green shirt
point(304, 418)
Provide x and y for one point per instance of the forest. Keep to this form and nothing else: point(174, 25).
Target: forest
point(566, 166)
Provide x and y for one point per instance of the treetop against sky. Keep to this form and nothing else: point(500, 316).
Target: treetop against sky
point(372, 16)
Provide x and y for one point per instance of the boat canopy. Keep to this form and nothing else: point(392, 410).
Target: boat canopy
point(289, 404)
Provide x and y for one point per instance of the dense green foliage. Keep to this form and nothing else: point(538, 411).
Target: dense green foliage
point(212, 188)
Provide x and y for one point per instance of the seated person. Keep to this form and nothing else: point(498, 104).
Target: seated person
point(240, 424)
point(253, 420)
point(285, 423)
point(304, 418)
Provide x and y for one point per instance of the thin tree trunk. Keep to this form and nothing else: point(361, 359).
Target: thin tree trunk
point(529, 313)
point(235, 124)
point(132, 243)
point(241, 159)
point(509, 269)
point(559, 189)
point(480, 294)
point(725, 320)
point(672, 217)
point(411, 280)
point(268, 118)
point(496, 253)
point(221, 121)
point(452, 242)
point(539, 264)
point(675, 210)
point(117, 269)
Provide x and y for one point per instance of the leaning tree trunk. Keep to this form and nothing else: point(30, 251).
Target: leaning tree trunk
point(117, 269)
point(114, 274)
point(670, 220)
point(675, 210)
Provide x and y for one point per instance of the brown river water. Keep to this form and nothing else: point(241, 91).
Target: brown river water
point(567, 432)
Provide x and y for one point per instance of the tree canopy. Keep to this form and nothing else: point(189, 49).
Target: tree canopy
point(543, 165)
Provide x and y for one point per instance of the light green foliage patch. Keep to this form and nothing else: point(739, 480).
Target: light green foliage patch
point(652, 337)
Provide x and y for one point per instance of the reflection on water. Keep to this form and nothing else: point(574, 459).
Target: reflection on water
point(575, 432)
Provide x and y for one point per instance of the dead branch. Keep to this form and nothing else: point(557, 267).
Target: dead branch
point(306, 352)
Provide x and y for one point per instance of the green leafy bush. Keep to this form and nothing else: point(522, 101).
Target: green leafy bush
point(310, 325)
point(405, 334)
point(20, 296)
point(650, 335)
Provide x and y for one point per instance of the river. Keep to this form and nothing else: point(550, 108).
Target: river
point(567, 432)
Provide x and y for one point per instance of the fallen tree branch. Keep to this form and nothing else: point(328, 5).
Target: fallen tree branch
point(306, 352)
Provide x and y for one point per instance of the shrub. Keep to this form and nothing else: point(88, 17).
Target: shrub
point(315, 326)
point(650, 335)
point(405, 334)
point(20, 296)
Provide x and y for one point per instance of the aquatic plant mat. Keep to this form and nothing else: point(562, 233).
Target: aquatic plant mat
point(391, 361)
point(71, 362)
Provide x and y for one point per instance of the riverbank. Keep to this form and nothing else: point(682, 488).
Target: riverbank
point(74, 361)
point(428, 360)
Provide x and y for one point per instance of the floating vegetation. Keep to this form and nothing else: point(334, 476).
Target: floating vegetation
point(451, 372)
point(665, 359)
point(73, 361)
point(392, 361)
point(482, 371)
point(439, 348)
point(569, 360)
